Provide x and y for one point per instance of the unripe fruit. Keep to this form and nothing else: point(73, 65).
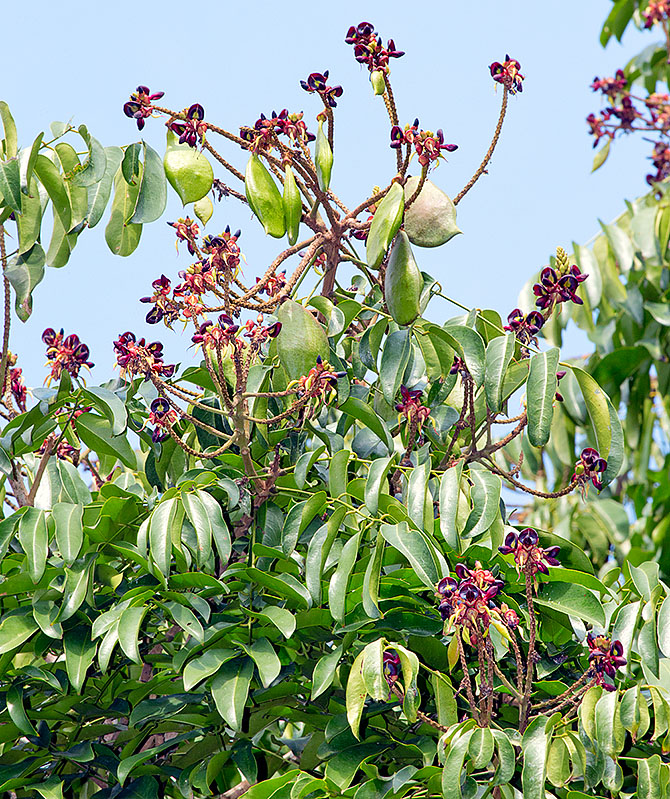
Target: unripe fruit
point(189, 172)
point(292, 206)
point(377, 81)
point(301, 340)
point(431, 219)
point(264, 198)
point(385, 224)
point(323, 158)
point(402, 282)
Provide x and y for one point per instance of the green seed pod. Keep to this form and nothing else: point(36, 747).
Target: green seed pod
point(431, 219)
point(204, 209)
point(385, 224)
point(323, 159)
point(300, 341)
point(292, 206)
point(402, 282)
point(264, 198)
point(188, 172)
point(377, 81)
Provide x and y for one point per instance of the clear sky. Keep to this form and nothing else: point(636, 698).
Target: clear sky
point(81, 60)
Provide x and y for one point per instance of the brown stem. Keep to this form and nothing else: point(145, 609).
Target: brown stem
point(482, 167)
point(530, 661)
point(491, 466)
point(8, 317)
point(207, 146)
point(466, 677)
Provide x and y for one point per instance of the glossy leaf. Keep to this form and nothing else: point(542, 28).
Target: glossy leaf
point(152, 196)
point(230, 688)
point(395, 357)
point(121, 235)
point(33, 537)
point(499, 354)
point(541, 391)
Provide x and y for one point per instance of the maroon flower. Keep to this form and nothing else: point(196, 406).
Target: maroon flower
point(138, 357)
point(64, 451)
point(525, 327)
point(553, 288)
point(161, 415)
point(411, 408)
point(65, 352)
point(317, 82)
point(391, 666)
point(368, 47)
point(589, 467)
point(605, 657)
point(656, 11)
point(164, 307)
point(529, 557)
point(508, 74)
point(192, 129)
point(610, 86)
point(597, 127)
point(140, 106)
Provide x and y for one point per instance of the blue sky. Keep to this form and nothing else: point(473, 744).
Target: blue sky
point(75, 60)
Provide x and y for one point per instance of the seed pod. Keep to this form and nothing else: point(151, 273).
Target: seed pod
point(431, 219)
point(385, 224)
point(323, 158)
point(402, 282)
point(204, 209)
point(300, 341)
point(377, 81)
point(189, 172)
point(264, 198)
point(292, 206)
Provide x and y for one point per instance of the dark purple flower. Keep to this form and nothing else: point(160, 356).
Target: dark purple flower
point(391, 666)
point(529, 557)
point(317, 82)
point(139, 107)
point(65, 352)
point(589, 467)
point(368, 47)
point(192, 129)
point(605, 657)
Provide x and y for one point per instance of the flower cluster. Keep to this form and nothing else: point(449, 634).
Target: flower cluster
point(192, 129)
point(274, 284)
point(428, 145)
point(610, 87)
point(411, 408)
point(524, 326)
point(266, 129)
point(161, 416)
point(139, 107)
point(64, 352)
point(317, 82)
point(368, 48)
point(589, 467)
point(655, 12)
point(466, 602)
point(529, 557)
point(508, 74)
point(186, 230)
point(17, 387)
point(138, 357)
point(459, 367)
point(605, 657)
point(320, 383)
point(64, 451)
point(554, 288)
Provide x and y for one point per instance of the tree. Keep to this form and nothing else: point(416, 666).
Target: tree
point(292, 570)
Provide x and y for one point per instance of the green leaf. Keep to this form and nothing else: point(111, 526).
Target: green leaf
point(575, 600)
point(266, 660)
point(535, 745)
point(34, 540)
point(121, 236)
point(540, 393)
point(481, 746)
point(371, 578)
point(29, 221)
point(285, 585)
point(558, 763)
point(27, 173)
point(98, 194)
point(414, 546)
point(324, 672)
point(361, 411)
point(79, 654)
point(131, 164)
point(17, 711)
point(152, 197)
point(318, 550)
point(660, 311)
point(445, 702)
point(470, 346)
point(337, 589)
point(449, 492)
point(187, 620)
point(374, 484)
point(370, 341)
point(109, 405)
point(598, 410)
point(53, 182)
point(10, 184)
point(409, 664)
point(373, 670)
point(499, 354)
point(299, 518)
point(453, 766)
point(230, 689)
point(356, 694)
point(11, 141)
point(649, 778)
point(282, 619)
point(610, 733)
point(15, 628)
point(129, 631)
point(621, 245)
point(93, 169)
point(664, 627)
point(77, 582)
point(506, 758)
point(485, 496)
point(164, 528)
point(97, 433)
point(395, 357)
point(210, 662)
point(24, 273)
point(51, 788)
point(306, 461)
point(417, 486)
